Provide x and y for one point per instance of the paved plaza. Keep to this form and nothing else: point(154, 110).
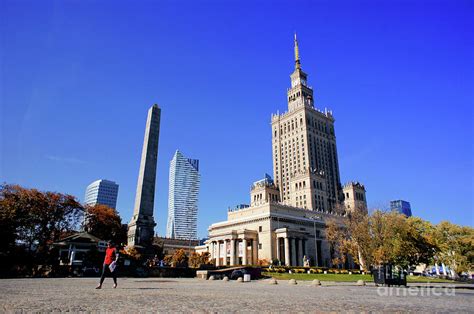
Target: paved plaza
point(186, 295)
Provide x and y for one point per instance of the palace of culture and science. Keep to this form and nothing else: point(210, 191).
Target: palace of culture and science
point(286, 218)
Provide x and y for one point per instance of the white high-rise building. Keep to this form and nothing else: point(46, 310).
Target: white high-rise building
point(102, 192)
point(184, 185)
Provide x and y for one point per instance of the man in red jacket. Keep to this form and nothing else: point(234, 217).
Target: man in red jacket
point(111, 257)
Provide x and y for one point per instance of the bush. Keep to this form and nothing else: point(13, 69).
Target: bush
point(180, 259)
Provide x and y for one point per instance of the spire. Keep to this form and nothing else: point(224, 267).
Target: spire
point(297, 54)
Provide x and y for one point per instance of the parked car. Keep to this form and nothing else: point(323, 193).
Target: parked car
point(238, 273)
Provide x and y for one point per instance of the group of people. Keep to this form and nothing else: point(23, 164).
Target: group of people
point(155, 262)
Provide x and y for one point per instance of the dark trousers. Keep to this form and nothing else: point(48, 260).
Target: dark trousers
point(105, 269)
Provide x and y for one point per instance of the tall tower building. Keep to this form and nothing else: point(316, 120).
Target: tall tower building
point(141, 227)
point(184, 185)
point(354, 197)
point(305, 162)
point(102, 192)
point(403, 207)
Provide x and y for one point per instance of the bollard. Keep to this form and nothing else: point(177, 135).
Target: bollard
point(240, 279)
point(246, 277)
point(292, 282)
point(212, 278)
point(316, 282)
point(225, 278)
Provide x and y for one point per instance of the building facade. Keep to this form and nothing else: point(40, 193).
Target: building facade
point(102, 192)
point(305, 163)
point(184, 183)
point(354, 197)
point(170, 246)
point(286, 219)
point(403, 207)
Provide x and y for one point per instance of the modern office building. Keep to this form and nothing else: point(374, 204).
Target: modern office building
point(287, 216)
point(184, 185)
point(403, 207)
point(102, 192)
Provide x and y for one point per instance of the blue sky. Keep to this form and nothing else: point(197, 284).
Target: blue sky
point(77, 79)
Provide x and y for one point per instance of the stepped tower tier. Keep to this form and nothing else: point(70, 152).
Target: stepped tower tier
point(304, 142)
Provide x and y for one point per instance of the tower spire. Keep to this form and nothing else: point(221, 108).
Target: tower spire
point(297, 54)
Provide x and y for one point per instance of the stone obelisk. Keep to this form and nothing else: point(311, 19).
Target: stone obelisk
point(141, 227)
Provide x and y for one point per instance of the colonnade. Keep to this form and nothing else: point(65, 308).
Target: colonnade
point(291, 250)
point(236, 251)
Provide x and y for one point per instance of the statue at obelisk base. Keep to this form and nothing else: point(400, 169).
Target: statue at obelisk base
point(141, 227)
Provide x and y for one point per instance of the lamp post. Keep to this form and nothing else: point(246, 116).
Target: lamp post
point(314, 217)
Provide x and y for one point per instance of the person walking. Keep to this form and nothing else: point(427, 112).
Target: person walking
point(111, 257)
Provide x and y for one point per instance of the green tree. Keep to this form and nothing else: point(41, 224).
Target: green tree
point(455, 246)
point(383, 237)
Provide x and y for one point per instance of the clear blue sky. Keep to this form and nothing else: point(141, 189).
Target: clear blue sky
point(77, 79)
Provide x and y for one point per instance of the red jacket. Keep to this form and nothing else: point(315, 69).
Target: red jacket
point(110, 255)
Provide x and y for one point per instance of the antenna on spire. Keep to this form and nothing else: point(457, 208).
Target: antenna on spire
point(297, 54)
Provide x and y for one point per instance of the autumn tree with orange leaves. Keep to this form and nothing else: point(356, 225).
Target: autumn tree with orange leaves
point(35, 219)
point(105, 223)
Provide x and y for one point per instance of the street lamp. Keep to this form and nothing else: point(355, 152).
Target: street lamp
point(314, 217)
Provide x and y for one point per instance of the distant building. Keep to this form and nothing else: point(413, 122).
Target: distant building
point(102, 192)
point(170, 246)
point(74, 248)
point(184, 184)
point(403, 207)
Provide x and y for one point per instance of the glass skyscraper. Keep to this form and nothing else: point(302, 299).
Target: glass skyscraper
point(102, 192)
point(184, 185)
point(403, 207)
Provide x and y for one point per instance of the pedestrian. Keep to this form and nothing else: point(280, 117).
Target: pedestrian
point(110, 263)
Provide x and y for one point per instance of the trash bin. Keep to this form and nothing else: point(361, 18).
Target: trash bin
point(246, 277)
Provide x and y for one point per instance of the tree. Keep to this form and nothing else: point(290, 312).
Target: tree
point(455, 246)
point(194, 260)
point(132, 253)
point(35, 219)
point(197, 260)
point(383, 237)
point(179, 258)
point(105, 223)
point(337, 235)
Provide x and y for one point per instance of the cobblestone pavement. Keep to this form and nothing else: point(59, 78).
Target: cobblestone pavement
point(194, 295)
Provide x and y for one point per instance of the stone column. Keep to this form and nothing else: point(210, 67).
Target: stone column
point(218, 253)
point(244, 252)
point(224, 262)
point(278, 248)
point(293, 252)
point(287, 252)
point(232, 252)
point(300, 252)
point(254, 252)
point(305, 245)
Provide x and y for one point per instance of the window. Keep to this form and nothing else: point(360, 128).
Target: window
point(259, 228)
point(260, 246)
